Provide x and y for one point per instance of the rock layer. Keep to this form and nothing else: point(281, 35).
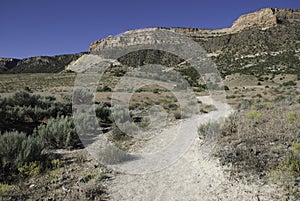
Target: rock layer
point(262, 19)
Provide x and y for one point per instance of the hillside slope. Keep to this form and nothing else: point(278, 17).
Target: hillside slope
point(39, 64)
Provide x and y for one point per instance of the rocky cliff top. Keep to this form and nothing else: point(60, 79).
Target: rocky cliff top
point(262, 19)
point(266, 18)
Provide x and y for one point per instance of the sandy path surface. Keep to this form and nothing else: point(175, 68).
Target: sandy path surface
point(194, 176)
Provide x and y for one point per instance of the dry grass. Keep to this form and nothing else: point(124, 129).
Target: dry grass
point(261, 141)
point(77, 177)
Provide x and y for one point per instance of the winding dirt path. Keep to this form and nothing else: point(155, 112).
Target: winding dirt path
point(194, 176)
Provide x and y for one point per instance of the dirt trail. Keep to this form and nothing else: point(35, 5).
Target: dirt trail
point(195, 176)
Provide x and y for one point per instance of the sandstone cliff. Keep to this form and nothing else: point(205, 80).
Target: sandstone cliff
point(266, 41)
point(263, 19)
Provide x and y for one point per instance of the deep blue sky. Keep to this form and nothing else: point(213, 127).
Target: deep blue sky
point(39, 27)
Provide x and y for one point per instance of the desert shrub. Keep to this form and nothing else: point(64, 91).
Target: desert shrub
point(209, 130)
point(292, 116)
point(104, 89)
point(16, 149)
point(255, 142)
point(287, 172)
point(191, 75)
point(87, 123)
point(59, 133)
point(33, 168)
point(291, 164)
point(124, 132)
point(245, 104)
point(254, 115)
point(56, 163)
point(155, 91)
point(24, 111)
point(121, 117)
point(4, 190)
point(24, 98)
point(60, 108)
point(259, 95)
point(177, 114)
point(289, 83)
point(172, 106)
point(226, 88)
point(117, 133)
point(82, 96)
point(207, 108)
point(145, 122)
point(230, 96)
point(102, 112)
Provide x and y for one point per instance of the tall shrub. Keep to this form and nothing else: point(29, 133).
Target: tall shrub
point(59, 133)
point(16, 149)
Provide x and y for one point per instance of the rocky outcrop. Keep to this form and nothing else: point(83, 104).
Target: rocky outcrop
point(265, 18)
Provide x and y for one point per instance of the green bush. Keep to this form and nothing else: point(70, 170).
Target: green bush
point(124, 132)
point(117, 134)
point(287, 173)
point(292, 116)
point(103, 89)
point(31, 169)
point(121, 117)
point(87, 123)
point(254, 115)
point(289, 83)
point(230, 96)
point(102, 112)
point(59, 133)
point(155, 91)
point(145, 122)
point(24, 111)
point(226, 88)
point(16, 149)
point(4, 189)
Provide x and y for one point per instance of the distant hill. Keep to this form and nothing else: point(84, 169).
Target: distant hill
point(39, 64)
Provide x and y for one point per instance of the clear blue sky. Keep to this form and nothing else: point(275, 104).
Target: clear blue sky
point(50, 27)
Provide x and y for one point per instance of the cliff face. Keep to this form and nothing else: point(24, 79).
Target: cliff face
point(265, 18)
point(262, 42)
point(261, 20)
